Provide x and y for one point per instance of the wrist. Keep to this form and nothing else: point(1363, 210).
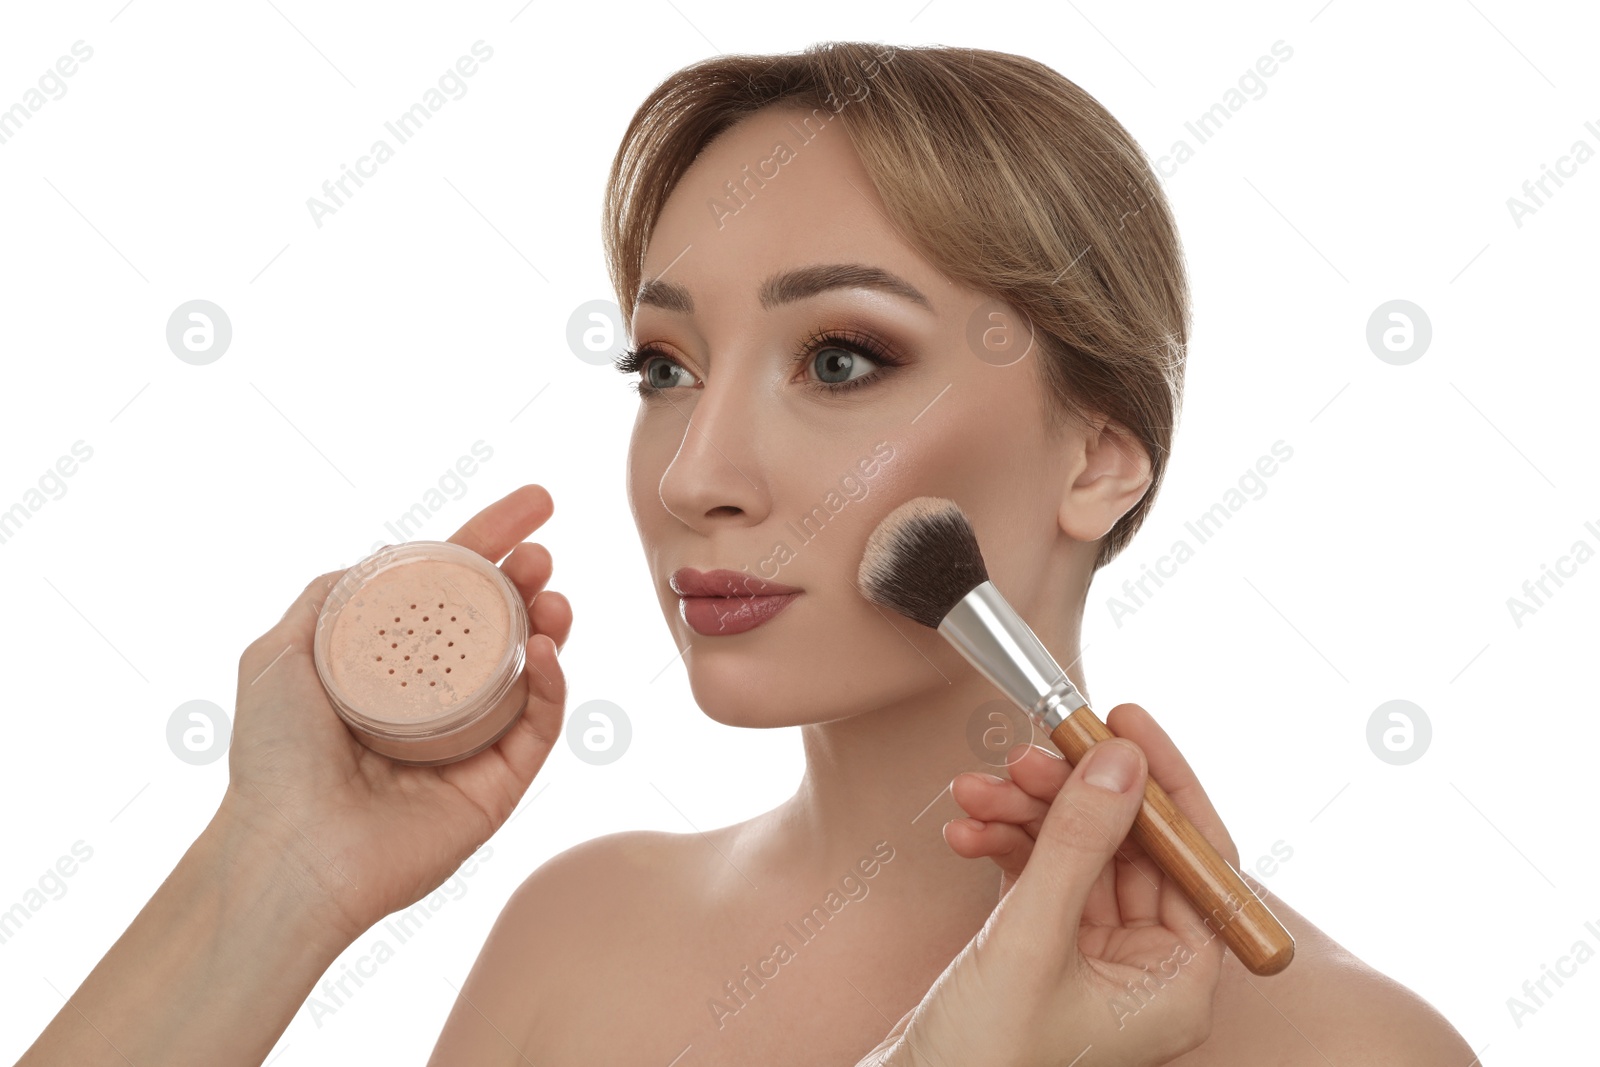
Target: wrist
point(214, 966)
point(271, 869)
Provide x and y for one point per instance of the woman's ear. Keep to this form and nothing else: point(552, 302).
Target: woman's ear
point(1108, 472)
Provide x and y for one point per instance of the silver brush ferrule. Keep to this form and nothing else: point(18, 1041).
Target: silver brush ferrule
point(995, 639)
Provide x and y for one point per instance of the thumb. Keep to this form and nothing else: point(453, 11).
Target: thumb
point(1087, 823)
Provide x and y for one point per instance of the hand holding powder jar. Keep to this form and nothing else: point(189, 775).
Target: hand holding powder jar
point(419, 647)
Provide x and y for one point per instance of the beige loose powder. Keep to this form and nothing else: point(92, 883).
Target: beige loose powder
point(417, 639)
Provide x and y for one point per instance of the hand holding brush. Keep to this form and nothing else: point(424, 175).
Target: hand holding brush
point(1093, 957)
point(923, 561)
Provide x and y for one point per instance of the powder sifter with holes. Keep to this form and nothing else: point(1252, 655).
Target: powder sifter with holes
point(419, 647)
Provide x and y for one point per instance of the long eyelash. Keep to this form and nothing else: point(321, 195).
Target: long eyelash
point(633, 360)
point(850, 341)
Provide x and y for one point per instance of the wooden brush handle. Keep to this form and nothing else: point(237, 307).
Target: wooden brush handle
point(1214, 888)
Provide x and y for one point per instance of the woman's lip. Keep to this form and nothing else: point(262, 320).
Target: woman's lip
point(722, 616)
point(688, 582)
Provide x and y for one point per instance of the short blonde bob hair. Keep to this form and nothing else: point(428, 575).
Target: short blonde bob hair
point(1005, 175)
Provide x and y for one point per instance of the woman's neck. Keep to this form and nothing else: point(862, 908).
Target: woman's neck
point(884, 776)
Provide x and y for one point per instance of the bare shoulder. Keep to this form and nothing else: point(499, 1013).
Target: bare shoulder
point(1328, 1006)
point(579, 909)
point(593, 899)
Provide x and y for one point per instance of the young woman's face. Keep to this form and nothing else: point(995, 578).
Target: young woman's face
point(746, 460)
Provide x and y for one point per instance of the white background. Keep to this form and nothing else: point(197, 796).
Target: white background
point(431, 312)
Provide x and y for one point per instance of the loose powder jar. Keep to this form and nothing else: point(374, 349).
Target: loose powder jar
point(419, 647)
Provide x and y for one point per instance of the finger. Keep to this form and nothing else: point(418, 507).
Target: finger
point(1169, 768)
point(551, 613)
point(526, 745)
point(298, 624)
point(887, 1051)
point(498, 528)
point(992, 799)
point(1135, 878)
point(314, 595)
point(1082, 831)
point(1007, 844)
point(1040, 772)
point(547, 690)
point(528, 567)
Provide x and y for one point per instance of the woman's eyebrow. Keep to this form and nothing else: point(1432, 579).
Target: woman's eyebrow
point(789, 286)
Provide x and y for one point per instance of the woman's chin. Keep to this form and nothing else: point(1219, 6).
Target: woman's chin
point(735, 699)
point(740, 692)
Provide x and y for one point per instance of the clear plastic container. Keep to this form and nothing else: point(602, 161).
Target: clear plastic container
point(420, 647)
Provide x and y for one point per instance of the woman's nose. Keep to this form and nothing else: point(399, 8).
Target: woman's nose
point(716, 475)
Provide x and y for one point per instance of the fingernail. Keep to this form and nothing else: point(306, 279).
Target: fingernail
point(1112, 767)
point(990, 778)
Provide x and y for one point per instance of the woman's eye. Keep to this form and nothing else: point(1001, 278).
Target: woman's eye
point(835, 362)
point(660, 372)
point(835, 365)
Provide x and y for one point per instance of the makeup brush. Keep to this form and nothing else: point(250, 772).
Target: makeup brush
point(922, 561)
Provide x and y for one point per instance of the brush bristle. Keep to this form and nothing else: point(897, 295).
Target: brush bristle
point(921, 560)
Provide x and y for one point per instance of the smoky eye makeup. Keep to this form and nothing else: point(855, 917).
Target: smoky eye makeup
point(855, 358)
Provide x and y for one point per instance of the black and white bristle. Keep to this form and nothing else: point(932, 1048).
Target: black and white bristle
point(921, 560)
